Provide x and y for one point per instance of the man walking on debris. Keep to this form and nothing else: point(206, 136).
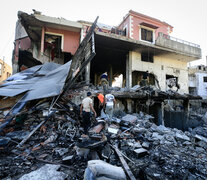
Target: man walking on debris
point(101, 103)
point(104, 81)
point(85, 111)
point(145, 79)
point(110, 103)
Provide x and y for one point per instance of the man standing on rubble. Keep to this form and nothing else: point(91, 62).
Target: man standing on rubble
point(85, 111)
point(110, 103)
point(104, 81)
point(145, 78)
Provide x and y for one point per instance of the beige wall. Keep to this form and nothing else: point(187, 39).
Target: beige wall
point(161, 67)
point(5, 70)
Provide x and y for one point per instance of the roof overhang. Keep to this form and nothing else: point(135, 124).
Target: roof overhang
point(148, 25)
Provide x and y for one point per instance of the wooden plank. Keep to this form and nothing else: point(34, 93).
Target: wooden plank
point(9, 102)
point(125, 165)
point(34, 130)
point(42, 160)
point(80, 55)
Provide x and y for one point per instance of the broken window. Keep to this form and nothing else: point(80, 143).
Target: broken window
point(137, 78)
point(147, 57)
point(146, 35)
point(205, 79)
point(53, 45)
point(172, 81)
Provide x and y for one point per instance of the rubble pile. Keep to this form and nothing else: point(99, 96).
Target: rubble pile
point(42, 137)
point(168, 153)
point(151, 151)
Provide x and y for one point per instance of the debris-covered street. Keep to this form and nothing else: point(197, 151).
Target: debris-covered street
point(151, 151)
point(62, 117)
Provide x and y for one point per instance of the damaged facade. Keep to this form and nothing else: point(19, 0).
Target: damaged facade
point(156, 131)
point(138, 44)
point(41, 39)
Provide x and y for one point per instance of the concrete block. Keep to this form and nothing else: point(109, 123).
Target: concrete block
point(129, 118)
point(182, 137)
point(141, 152)
point(46, 172)
point(145, 145)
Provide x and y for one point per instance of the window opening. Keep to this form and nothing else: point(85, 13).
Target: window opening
point(53, 44)
point(171, 82)
point(146, 35)
point(205, 79)
point(125, 32)
point(147, 57)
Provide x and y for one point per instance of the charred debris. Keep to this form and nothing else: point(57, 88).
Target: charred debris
point(153, 134)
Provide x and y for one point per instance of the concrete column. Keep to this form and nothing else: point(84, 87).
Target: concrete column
point(129, 70)
point(163, 111)
point(186, 108)
point(129, 106)
point(110, 75)
point(42, 40)
point(87, 74)
point(160, 113)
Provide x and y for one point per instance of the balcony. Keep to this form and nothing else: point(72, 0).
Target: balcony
point(178, 45)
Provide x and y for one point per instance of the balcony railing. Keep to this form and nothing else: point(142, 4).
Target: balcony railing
point(178, 45)
point(179, 40)
point(118, 31)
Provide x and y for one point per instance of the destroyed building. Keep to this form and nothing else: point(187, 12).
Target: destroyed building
point(158, 131)
point(40, 39)
point(138, 44)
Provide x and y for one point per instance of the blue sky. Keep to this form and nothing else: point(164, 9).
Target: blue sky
point(187, 17)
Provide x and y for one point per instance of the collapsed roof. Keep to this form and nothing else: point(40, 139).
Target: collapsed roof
point(40, 81)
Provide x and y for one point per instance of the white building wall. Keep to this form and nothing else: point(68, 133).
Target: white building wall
point(201, 85)
point(161, 67)
point(192, 81)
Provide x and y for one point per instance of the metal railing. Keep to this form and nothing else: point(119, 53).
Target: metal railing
point(118, 31)
point(178, 40)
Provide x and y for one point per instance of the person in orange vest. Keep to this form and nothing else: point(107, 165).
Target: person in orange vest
point(101, 102)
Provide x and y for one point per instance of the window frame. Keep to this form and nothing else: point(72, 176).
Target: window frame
point(148, 29)
point(57, 34)
point(148, 55)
